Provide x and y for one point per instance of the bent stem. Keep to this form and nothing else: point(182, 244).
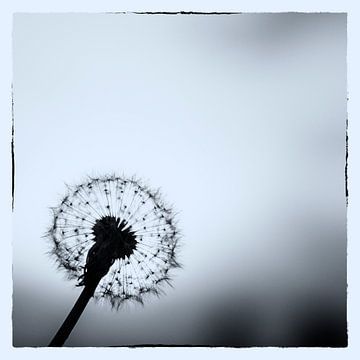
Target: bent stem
point(112, 241)
point(74, 315)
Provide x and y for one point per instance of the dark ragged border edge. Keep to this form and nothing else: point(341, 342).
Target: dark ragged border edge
point(255, 346)
point(192, 346)
point(175, 12)
point(346, 159)
point(12, 149)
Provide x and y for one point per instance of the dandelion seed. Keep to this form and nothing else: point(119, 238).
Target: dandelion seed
point(102, 236)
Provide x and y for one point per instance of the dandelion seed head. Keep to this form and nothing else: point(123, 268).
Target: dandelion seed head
point(128, 222)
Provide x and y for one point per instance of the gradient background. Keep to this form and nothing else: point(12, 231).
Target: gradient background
point(240, 119)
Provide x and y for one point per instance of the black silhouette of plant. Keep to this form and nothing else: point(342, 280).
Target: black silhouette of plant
point(117, 238)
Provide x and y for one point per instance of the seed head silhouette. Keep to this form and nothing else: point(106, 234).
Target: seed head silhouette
point(117, 238)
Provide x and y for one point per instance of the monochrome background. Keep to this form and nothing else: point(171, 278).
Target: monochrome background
point(240, 119)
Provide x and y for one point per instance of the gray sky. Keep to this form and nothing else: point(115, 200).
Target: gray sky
point(239, 119)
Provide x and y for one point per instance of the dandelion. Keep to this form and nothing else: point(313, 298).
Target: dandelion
point(115, 237)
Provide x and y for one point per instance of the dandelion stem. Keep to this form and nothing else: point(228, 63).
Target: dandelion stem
point(74, 315)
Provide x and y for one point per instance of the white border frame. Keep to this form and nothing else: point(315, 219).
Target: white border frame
point(6, 13)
